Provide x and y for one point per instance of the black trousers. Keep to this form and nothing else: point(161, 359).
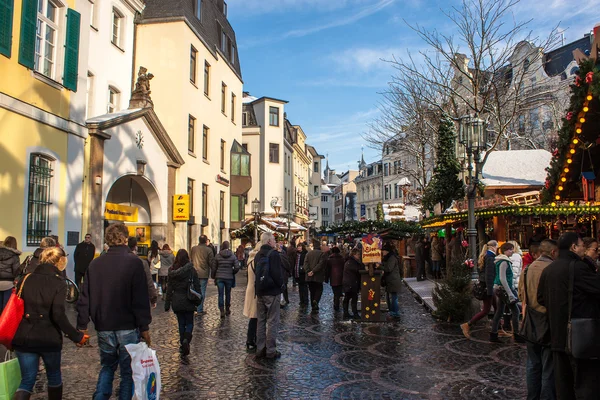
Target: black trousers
point(285, 293)
point(79, 278)
point(351, 297)
point(303, 290)
point(252, 326)
point(316, 291)
point(337, 296)
point(576, 379)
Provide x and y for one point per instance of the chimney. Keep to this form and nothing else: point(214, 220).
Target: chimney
point(245, 94)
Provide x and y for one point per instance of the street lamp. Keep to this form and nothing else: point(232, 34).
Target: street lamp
point(473, 136)
point(256, 212)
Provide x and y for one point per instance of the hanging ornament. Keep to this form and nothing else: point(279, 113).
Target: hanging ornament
point(577, 81)
point(569, 115)
point(589, 77)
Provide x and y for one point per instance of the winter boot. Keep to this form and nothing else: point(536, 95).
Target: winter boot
point(22, 395)
point(55, 393)
point(222, 312)
point(228, 310)
point(185, 346)
point(494, 338)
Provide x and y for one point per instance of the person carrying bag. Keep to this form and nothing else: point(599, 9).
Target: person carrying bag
point(10, 376)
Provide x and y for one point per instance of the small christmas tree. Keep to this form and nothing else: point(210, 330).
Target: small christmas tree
point(445, 186)
point(380, 216)
point(452, 298)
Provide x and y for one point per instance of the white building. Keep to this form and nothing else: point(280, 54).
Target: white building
point(369, 185)
point(315, 188)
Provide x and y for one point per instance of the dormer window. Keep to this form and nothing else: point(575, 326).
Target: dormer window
point(526, 65)
point(198, 9)
point(224, 9)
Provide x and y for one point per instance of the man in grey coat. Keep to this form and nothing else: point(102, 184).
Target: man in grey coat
point(202, 257)
point(315, 266)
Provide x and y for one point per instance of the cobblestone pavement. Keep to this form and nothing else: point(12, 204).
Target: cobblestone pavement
point(323, 358)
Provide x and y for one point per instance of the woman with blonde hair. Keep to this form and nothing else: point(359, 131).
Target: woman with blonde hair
point(251, 301)
point(40, 333)
point(487, 274)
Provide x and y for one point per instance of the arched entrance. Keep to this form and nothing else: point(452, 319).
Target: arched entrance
point(137, 192)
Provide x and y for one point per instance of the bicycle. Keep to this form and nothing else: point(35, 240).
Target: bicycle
point(72, 291)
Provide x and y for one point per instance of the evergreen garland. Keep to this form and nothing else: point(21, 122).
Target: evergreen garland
point(358, 228)
point(587, 80)
point(380, 214)
point(452, 297)
point(445, 186)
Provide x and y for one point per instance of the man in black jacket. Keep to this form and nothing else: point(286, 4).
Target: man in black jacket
point(115, 297)
point(268, 300)
point(575, 378)
point(83, 256)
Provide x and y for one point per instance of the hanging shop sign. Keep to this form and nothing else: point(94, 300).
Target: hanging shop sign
point(222, 180)
point(181, 207)
point(488, 202)
point(118, 212)
point(371, 248)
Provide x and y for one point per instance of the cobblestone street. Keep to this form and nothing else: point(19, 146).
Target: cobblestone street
point(323, 358)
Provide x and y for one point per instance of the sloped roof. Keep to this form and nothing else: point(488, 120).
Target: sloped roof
point(516, 168)
point(556, 61)
point(209, 28)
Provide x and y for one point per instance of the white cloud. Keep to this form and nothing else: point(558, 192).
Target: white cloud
point(365, 59)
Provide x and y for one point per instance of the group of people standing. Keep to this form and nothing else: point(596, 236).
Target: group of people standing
point(552, 277)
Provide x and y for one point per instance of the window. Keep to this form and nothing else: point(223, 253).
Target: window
point(89, 94)
point(113, 100)
point(39, 199)
point(206, 78)
point(325, 212)
point(222, 155)
point(221, 206)
point(385, 169)
point(117, 28)
point(395, 190)
point(190, 192)
point(245, 146)
point(46, 38)
point(387, 192)
point(224, 9)
point(193, 56)
point(223, 96)
point(285, 165)
point(274, 153)
point(93, 14)
point(316, 166)
point(526, 64)
point(205, 132)
point(232, 54)
point(244, 119)
point(232, 107)
point(316, 190)
point(236, 208)
point(273, 116)
point(204, 201)
point(223, 41)
point(240, 164)
point(191, 133)
point(324, 199)
point(198, 9)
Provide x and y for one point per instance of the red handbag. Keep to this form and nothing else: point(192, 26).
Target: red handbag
point(11, 316)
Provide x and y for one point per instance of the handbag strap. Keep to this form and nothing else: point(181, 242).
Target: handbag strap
point(525, 284)
point(571, 283)
point(22, 284)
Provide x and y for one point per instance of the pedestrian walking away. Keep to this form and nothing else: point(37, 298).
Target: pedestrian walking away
point(202, 257)
point(40, 332)
point(115, 298)
point(83, 256)
point(315, 266)
point(286, 272)
point(250, 301)
point(166, 262)
point(152, 290)
point(181, 273)
point(351, 283)
point(393, 280)
point(223, 270)
point(268, 283)
point(335, 268)
point(154, 261)
point(300, 274)
point(10, 264)
point(487, 275)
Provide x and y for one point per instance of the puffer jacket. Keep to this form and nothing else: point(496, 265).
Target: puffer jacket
point(391, 269)
point(9, 266)
point(177, 289)
point(224, 265)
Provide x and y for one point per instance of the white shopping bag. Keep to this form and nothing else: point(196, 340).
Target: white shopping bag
point(146, 371)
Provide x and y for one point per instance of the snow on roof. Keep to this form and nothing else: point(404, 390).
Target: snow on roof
point(249, 99)
point(516, 168)
point(107, 117)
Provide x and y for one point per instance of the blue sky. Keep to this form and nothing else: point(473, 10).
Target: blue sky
point(325, 56)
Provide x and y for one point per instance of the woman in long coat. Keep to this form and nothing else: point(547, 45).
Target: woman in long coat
point(250, 302)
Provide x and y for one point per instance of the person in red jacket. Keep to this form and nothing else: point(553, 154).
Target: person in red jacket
point(532, 255)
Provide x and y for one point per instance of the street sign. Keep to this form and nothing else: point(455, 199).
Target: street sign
point(363, 210)
point(118, 212)
point(181, 207)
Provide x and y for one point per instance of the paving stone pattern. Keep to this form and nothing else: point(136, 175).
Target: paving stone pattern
point(324, 357)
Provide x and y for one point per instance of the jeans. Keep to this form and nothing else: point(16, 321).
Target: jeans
point(203, 284)
point(113, 354)
point(185, 320)
point(394, 308)
point(436, 266)
point(251, 336)
point(267, 324)
point(337, 296)
point(540, 373)
point(224, 286)
point(351, 297)
point(316, 291)
point(29, 364)
point(500, 311)
point(4, 296)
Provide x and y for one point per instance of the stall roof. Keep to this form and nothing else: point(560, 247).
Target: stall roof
point(516, 168)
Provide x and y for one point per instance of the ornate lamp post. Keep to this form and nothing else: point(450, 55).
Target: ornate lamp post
point(256, 212)
point(473, 136)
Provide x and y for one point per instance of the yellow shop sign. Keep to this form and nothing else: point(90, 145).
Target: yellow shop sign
point(118, 212)
point(181, 207)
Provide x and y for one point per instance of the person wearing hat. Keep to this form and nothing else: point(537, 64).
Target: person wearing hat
point(391, 271)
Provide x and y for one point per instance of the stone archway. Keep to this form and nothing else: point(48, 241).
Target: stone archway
point(137, 191)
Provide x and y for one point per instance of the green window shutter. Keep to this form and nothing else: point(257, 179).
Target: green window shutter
point(72, 50)
point(6, 26)
point(28, 29)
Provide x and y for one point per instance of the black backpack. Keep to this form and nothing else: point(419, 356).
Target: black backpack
point(262, 271)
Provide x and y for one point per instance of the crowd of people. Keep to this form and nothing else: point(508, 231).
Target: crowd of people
point(555, 282)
